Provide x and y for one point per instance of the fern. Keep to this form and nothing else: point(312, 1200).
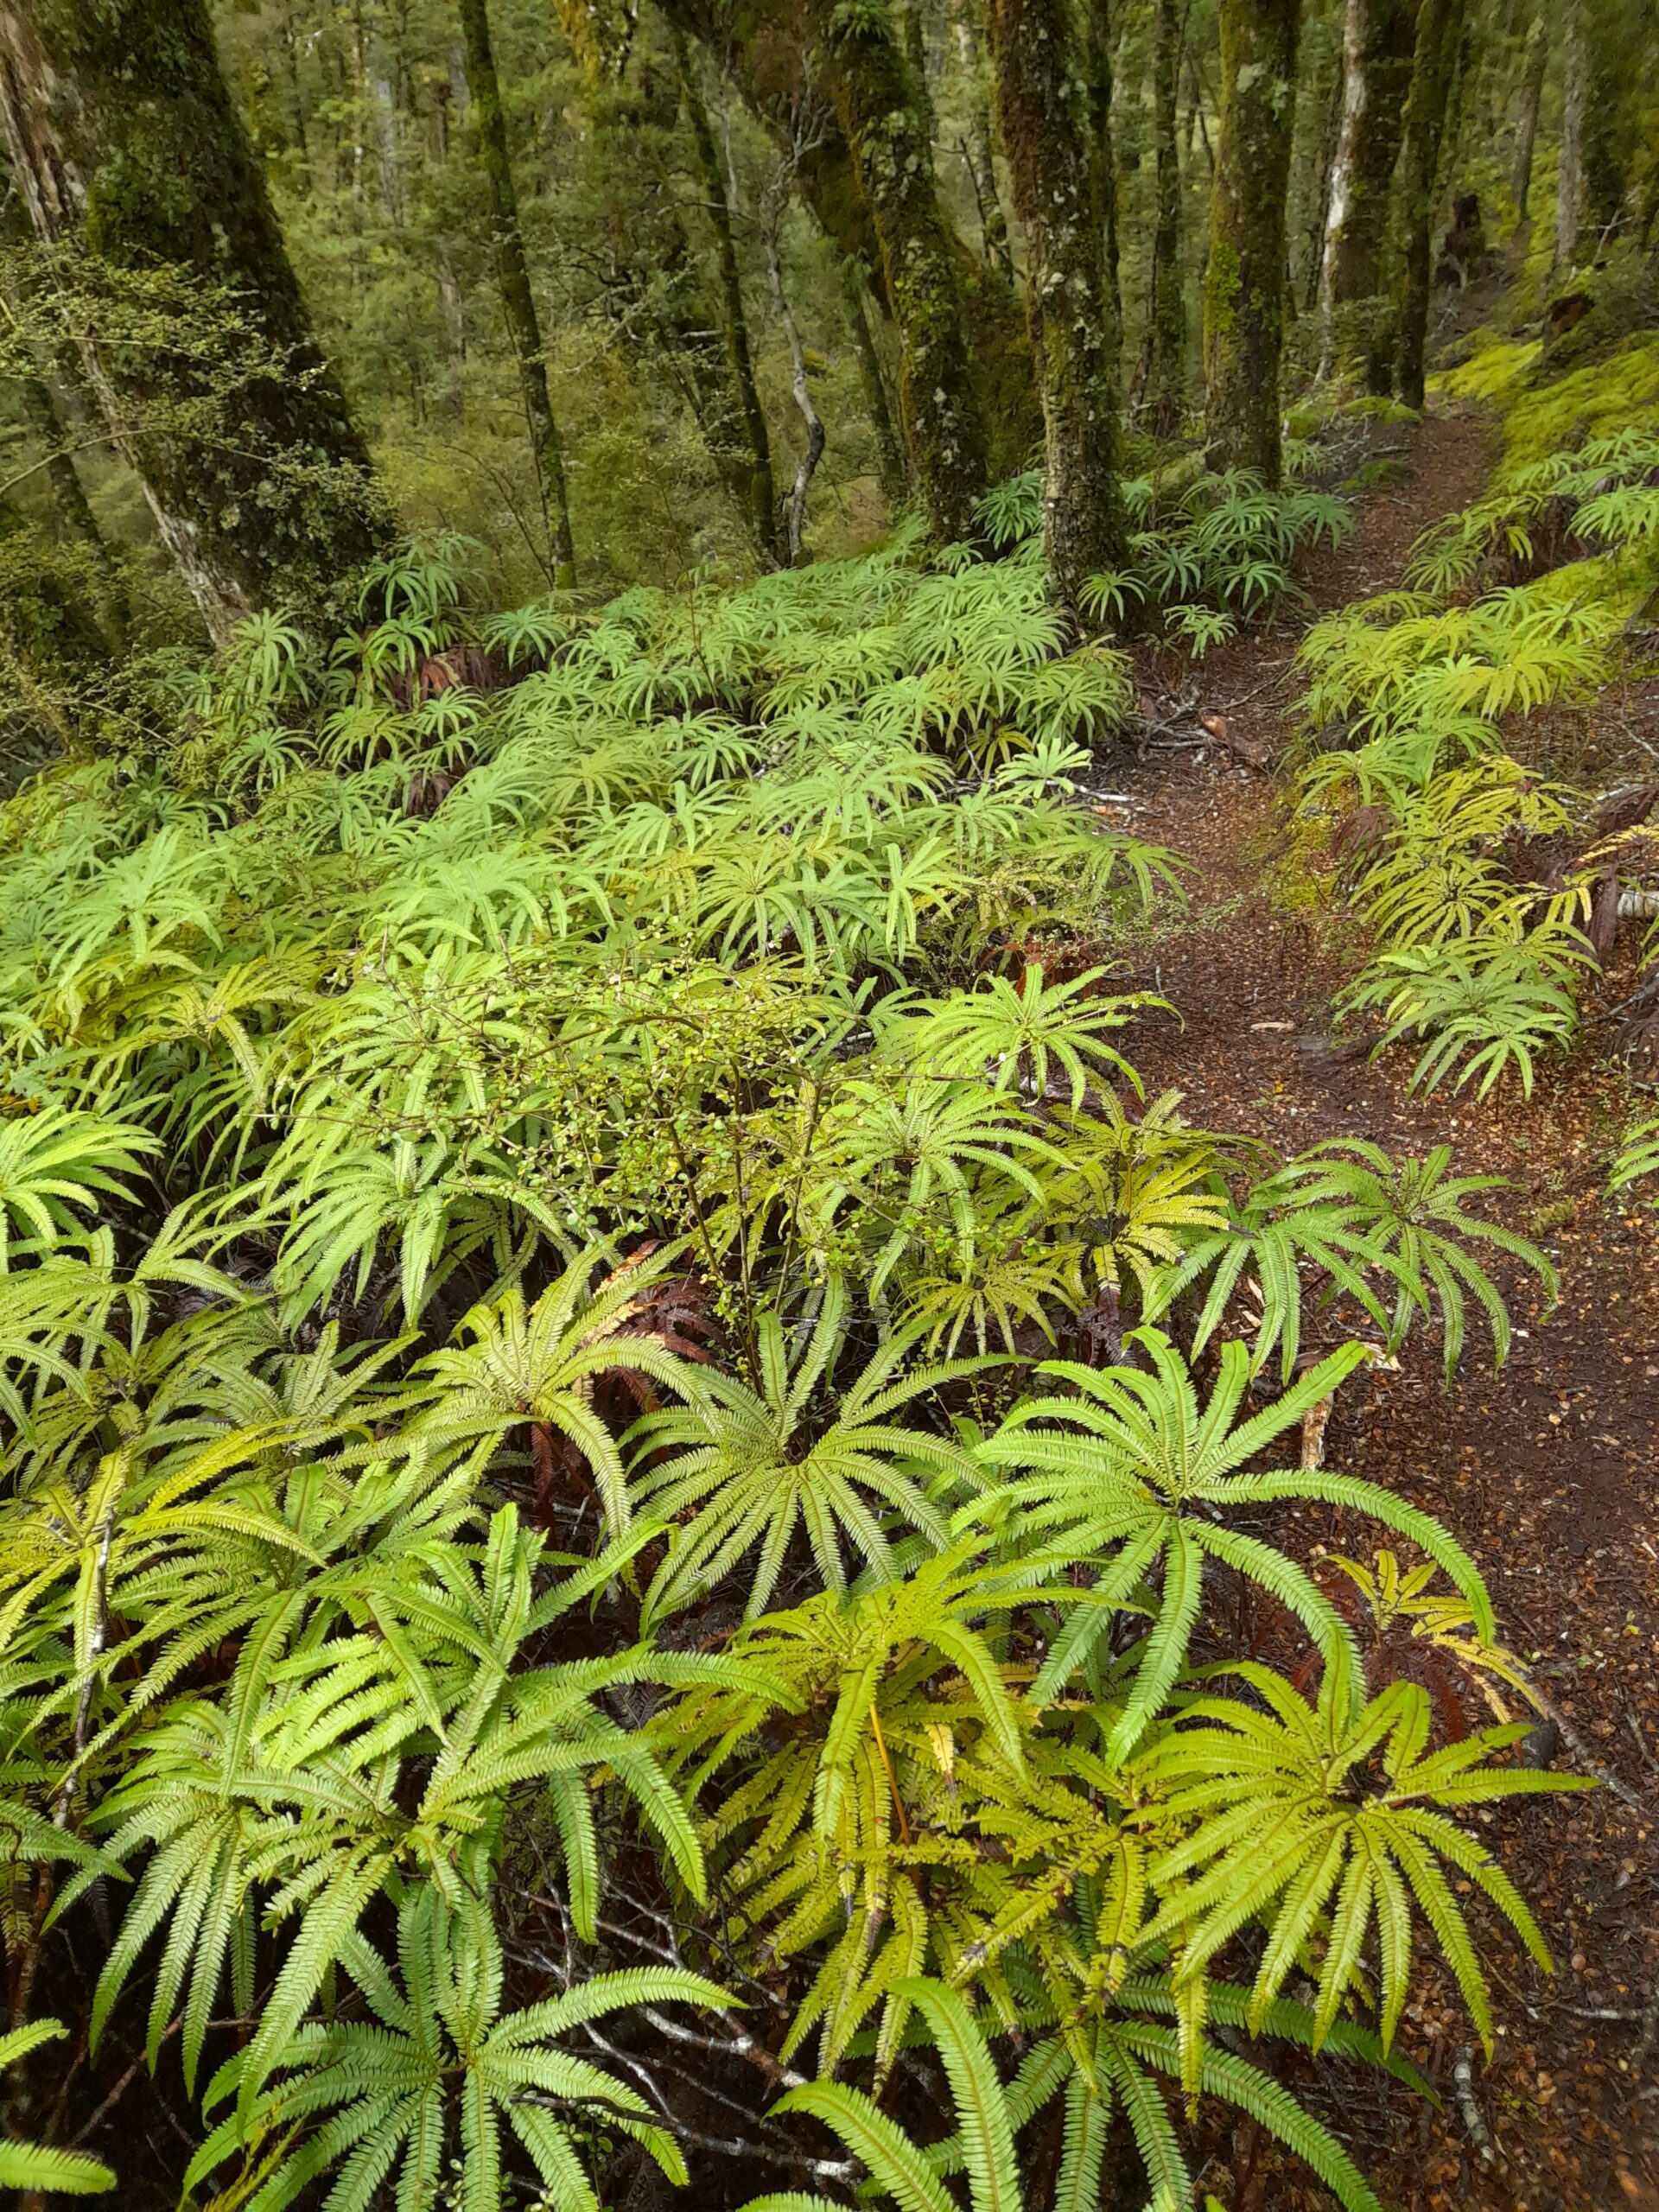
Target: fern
point(1301, 1833)
point(33, 2167)
point(1131, 1462)
point(382, 2097)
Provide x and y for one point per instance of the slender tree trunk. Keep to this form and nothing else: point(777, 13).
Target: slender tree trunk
point(979, 150)
point(1377, 53)
point(124, 138)
point(1046, 129)
point(1166, 317)
point(1434, 57)
point(795, 518)
point(512, 275)
point(1526, 122)
point(1308, 207)
point(760, 500)
point(44, 419)
point(1102, 156)
point(73, 509)
point(889, 452)
point(783, 55)
point(1606, 141)
point(1244, 284)
point(880, 112)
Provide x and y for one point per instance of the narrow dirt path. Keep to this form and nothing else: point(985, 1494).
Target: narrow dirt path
point(1547, 1471)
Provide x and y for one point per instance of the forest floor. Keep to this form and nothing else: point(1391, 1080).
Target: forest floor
point(1546, 1471)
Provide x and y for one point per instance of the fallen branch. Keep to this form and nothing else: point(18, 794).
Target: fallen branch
point(1463, 2084)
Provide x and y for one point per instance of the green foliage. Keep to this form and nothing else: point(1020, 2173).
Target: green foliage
point(32, 2166)
point(502, 1161)
point(755, 1465)
point(1637, 1157)
point(438, 2057)
point(1289, 1838)
point(1098, 2068)
point(1132, 1462)
point(1476, 961)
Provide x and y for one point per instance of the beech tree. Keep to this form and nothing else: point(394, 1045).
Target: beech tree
point(1434, 60)
point(518, 300)
point(1244, 283)
point(882, 112)
point(1045, 129)
point(125, 145)
point(1377, 57)
point(1166, 382)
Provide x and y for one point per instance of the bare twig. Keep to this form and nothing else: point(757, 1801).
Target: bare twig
point(1463, 2084)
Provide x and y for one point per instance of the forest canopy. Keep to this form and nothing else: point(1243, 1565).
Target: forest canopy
point(665, 1536)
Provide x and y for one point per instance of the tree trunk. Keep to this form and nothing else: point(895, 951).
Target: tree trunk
point(1434, 57)
point(1308, 202)
point(979, 149)
point(1376, 51)
point(794, 519)
point(1569, 190)
point(512, 276)
point(889, 453)
point(1610, 52)
point(1166, 316)
point(73, 509)
point(780, 55)
point(759, 498)
point(126, 142)
point(880, 110)
point(1046, 134)
point(1244, 284)
point(1102, 156)
point(1526, 122)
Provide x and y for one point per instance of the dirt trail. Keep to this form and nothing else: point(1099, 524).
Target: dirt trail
point(1547, 1471)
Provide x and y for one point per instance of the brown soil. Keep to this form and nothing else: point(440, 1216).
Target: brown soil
point(1546, 1471)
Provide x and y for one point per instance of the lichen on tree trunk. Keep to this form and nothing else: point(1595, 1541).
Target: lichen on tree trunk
point(1434, 57)
point(1535, 62)
point(1046, 134)
point(1376, 52)
point(1244, 283)
point(881, 113)
point(126, 143)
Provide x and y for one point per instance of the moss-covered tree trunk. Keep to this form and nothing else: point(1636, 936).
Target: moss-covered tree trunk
point(883, 115)
point(1376, 51)
point(124, 141)
point(512, 276)
point(1535, 61)
point(1433, 60)
point(1103, 150)
point(1244, 283)
point(1166, 385)
point(776, 52)
point(1046, 136)
point(1601, 42)
point(753, 464)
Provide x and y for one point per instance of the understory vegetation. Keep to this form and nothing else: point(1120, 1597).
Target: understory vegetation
point(608, 1366)
point(665, 1536)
